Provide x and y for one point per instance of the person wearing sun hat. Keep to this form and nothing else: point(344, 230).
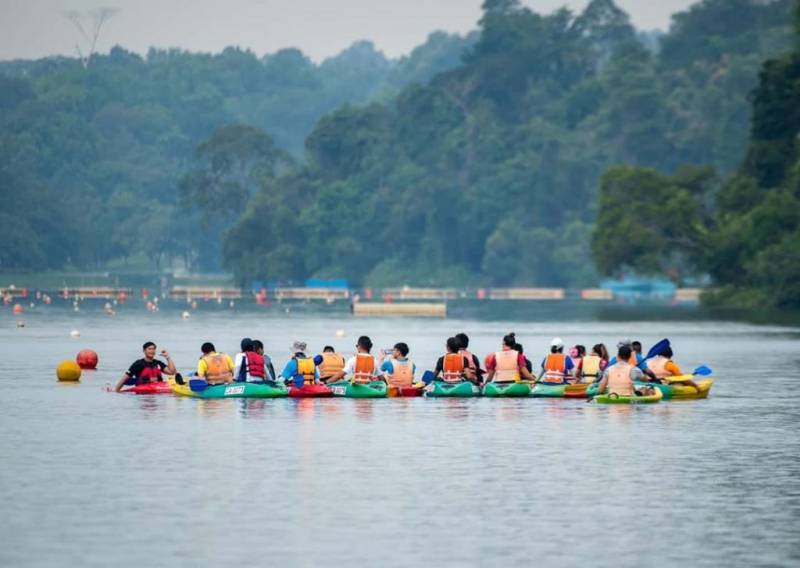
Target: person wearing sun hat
point(301, 368)
point(557, 368)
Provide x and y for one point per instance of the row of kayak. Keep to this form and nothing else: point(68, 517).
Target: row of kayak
point(436, 389)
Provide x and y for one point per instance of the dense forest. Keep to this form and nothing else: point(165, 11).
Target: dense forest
point(473, 160)
point(743, 229)
point(91, 156)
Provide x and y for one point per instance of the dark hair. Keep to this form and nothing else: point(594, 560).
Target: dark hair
point(148, 344)
point(453, 345)
point(402, 348)
point(207, 347)
point(554, 349)
point(365, 343)
point(519, 348)
point(463, 340)
point(257, 345)
point(624, 353)
point(246, 344)
point(601, 350)
point(328, 349)
point(581, 350)
point(637, 346)
point(667, 352)
point(510, 340)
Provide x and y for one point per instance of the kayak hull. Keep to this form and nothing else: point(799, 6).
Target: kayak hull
point(311, 391)
point(543, 390)
point(232, 390)
point(507, 390)
point(677, 391)
point(160, 387)
point(441, 389)
point(396, 391)
point(613, 399)
point(375, 389)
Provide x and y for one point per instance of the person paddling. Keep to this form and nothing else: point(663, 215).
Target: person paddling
point(453, 367)
point(662, 366)
point(557, 368)
point(635, 359)
point(399, 370)
point(618, 379)
point(507, 365)
point(301, 368)
point(330, 365)
point(148, 368)
point(215, 368)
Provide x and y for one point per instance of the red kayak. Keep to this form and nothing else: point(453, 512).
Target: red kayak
point(310, 391)
point(396, 391)
point(161, 387)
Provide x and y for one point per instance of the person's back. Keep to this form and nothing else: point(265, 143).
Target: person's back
point(453, 367)
point(590, 366)
point(556, 365)
point(248, 364)
point(215, 368)
point(472, 359)
point(399, 370)
point(619, 379)
point(330, 364)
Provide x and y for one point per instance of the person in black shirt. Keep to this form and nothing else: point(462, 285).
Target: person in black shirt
point(148, 369)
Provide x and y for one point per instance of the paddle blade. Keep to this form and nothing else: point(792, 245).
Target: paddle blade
point(703, 371)
point(427, 377)
point(197, 385)
point(657, 348)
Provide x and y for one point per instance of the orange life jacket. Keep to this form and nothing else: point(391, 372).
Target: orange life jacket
point(590, 366)
point(555, 367)
point(453, 368)
point(332, 363)
point(217, 369)
point(506, 368)
point(619, 380)
point(365, 368)
point(470, 358)
point(658, 365)
point(402, 373)
point(305, 367)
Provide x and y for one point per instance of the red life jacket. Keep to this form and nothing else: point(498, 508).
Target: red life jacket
point(150, 374)
point(255, 364)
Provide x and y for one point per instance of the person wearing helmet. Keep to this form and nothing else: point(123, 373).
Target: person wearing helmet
point(557, 368)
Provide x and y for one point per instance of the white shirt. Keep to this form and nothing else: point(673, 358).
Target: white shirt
point(350, 366)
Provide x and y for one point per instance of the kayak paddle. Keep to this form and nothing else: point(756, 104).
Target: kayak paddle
point(657, 348)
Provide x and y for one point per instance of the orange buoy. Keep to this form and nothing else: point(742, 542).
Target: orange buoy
point(87, 359)
point(68, 371)
point(18, 309)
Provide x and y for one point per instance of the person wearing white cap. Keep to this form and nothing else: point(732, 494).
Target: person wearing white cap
point(557, 368)
point(300, 368)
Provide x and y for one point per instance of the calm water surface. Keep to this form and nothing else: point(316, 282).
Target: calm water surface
point(91, 478)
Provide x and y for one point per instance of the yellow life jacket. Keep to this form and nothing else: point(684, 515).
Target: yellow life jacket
point(365, 368)
point(402, 373)
point(506, 366)
point(332, 363)
point(217, 368)
point(590, 365)
point(305, 367)
point(453, 368)
point(619, 380)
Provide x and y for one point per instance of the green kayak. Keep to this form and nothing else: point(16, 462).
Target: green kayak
point(495, 390)
point(232, 390)
point(548, 391)
point(614, 399)
point(443, 389)
point(375, 389)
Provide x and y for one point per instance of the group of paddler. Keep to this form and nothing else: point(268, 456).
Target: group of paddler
point(616, 375)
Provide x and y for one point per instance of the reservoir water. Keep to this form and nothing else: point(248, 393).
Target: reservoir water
point(91, 478)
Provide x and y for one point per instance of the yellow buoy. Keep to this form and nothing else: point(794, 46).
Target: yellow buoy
point(68, 371)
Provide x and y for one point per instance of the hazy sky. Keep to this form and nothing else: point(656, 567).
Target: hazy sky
point(35, 28)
